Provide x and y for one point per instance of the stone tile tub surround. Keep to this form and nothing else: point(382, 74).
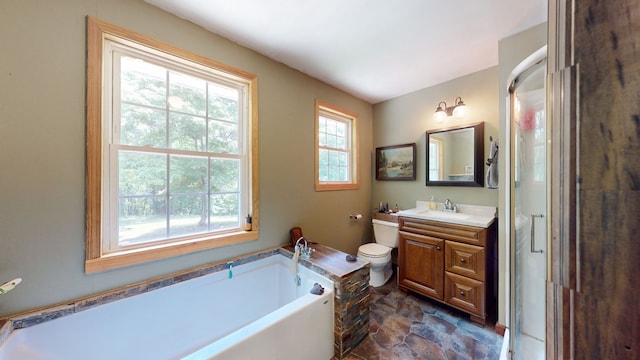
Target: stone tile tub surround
point(351, 295)
point(324, 263)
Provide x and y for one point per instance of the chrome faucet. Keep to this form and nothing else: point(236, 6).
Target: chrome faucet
point(449, 206)
point(305, 250)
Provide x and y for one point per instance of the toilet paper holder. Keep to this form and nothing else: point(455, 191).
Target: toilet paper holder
point(356, 216)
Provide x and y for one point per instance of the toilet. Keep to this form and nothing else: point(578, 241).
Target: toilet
point(379, 253)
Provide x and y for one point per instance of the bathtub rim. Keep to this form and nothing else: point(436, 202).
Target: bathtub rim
point(39, 315)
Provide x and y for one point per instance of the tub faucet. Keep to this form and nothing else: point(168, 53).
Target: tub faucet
point(305, 250)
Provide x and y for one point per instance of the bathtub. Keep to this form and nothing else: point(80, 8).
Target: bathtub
point(257, 312)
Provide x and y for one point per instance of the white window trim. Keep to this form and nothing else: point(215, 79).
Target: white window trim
point(336, 112)
point(96, 258)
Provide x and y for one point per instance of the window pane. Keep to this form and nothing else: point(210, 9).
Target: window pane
point(141, 219)
point(223, 103)
point(223, 137)
point(333, 173)
point(331, 141)
point(323, 157)
point(342, 174)
point(341, 143)
point(186, 132)
point(225, 175)
point(323, 171)
point(188, 175)
point(322, 128)
point(225, 211)
point(142, 82)
point(343, 159)
point(333, 158)
point(322, 139)
point(142, 126)
point(187, 94)
point(188, 215)
point(141, 173)
point(331, 127)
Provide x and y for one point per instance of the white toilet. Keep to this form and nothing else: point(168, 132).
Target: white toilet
point(379, 253)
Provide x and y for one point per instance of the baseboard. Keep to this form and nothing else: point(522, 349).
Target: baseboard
point(500, 329)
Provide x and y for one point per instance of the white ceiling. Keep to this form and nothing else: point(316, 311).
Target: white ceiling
point(373, 49)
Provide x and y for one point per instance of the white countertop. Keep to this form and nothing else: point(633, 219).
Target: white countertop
point(471, 215)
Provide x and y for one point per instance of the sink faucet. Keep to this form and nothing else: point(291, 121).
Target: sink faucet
point(449, 206)
point(305, 250)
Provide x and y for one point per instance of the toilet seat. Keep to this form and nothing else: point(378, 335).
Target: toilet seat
point(374, 250)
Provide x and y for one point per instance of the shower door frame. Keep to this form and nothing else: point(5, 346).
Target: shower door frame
point(530, 62)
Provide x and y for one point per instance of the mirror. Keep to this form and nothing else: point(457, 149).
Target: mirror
point(455, 156)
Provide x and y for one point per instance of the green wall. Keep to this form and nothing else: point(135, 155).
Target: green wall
point(42, 149)
point(406, 119)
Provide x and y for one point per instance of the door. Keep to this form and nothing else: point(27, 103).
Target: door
point(528, 197)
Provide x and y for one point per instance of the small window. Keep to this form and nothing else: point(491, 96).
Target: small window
point(336, 148)
point(170, 151)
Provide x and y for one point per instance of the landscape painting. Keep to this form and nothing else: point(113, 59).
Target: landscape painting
point(396, 162)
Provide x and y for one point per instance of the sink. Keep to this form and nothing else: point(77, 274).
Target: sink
point(472, 215)
point(443, 214)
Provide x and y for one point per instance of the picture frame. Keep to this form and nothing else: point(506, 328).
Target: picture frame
point(397, 162)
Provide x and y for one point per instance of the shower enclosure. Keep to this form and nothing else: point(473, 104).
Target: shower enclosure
point(528, 207)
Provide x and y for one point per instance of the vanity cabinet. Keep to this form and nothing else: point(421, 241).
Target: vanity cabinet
point(453, 264)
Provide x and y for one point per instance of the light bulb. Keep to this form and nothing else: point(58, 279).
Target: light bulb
point(439, 116)
point(460, 111)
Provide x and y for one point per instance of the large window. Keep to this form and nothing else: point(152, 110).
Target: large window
point(171, 150)
point(336, 148)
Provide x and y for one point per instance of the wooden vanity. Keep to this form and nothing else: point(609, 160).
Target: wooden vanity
point(451, 263)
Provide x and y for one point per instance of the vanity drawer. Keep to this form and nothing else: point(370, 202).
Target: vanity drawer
point(464, 259)
point(461, 233)
point(464, 293)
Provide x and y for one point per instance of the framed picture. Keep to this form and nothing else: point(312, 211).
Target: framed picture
point(396, 162)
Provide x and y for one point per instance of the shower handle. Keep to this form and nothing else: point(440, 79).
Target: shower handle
point(533, 232)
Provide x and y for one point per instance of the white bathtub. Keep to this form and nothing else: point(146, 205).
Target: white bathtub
point(259, 313)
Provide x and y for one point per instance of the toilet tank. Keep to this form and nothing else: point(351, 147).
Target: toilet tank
point(385, 233)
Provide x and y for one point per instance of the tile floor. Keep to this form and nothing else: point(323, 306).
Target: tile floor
point(408, 326)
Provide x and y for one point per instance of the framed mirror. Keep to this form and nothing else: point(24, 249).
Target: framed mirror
point(455, 156)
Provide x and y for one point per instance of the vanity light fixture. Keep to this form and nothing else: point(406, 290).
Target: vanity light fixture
point(459, 110)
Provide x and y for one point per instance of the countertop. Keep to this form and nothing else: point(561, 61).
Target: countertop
point(331, 260)
point(471, 215)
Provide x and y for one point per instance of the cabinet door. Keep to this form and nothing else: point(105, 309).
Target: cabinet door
point(422, 264)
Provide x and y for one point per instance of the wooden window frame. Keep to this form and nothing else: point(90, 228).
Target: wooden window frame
point(354, 184)
point(97, 260)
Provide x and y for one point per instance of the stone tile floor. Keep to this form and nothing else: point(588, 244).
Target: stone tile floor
point(408, 326)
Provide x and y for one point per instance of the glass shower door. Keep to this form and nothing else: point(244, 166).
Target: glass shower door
point(528, 212)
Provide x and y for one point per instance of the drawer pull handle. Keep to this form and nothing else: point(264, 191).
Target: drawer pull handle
point(461, 293)
point(438, 248)
point(463, 260)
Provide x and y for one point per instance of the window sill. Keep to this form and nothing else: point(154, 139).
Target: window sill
point(157, 252)
point(334, 186)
